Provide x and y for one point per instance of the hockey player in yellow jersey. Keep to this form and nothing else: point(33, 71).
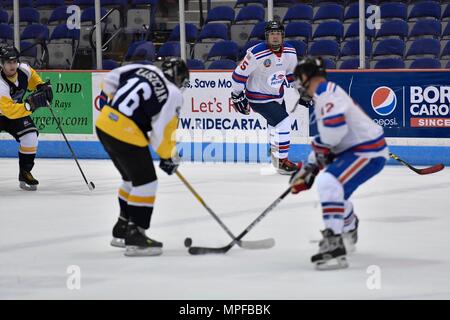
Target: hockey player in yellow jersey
point(15, 79)
point(140, 100)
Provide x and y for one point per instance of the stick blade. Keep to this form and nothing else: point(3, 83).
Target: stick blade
point(203, 250)
point(257, 244)
point(430, 170)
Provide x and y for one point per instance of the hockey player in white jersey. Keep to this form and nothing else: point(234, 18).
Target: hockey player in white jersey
point(142, 107)
point(350, 148)
point(258, 82)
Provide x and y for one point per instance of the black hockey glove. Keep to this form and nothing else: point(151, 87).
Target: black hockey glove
point(36, 100)
point(303, 178)
point(47, 89)
point(240, 103)
point(169, 166)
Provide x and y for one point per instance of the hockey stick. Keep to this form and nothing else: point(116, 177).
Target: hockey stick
point(89, 184)
point(429, 170)
point(256, 244)
point(204, 250)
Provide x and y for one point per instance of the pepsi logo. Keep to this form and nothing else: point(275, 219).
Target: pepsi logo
point(383, 101)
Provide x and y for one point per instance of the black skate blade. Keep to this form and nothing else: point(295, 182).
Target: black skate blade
point(118, 242)
point(28, 187)
point(134, 251)
point(332, 264)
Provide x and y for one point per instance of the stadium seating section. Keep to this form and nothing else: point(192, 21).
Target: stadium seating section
point(412, 34)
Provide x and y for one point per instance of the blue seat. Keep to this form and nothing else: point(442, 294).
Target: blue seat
point(446, 51)
point(281, 3)
point(352, 12)
point(426, 9)
point(240, 3)
point(88, 14)
point(22, 3)
point(84, 3)
point(328, 48)
point(329, 64)
point(426, 28)
point(113, 3)
point(224, 64)
point(6, 32)
point(299, 46)
point(3, 16)
point(36, 31)
point(59, 14)
point(425, 63)
point(48, 3)
point(447, 66)
point(194, 64)
point(298, 29)
point(225, 49)
point(389, 47)
point(351, 48)
point(191, 33)
point(170, 49)
point(390, 63)
point(27, 49)
point(250, 13)
point(446, 32)
point(353, 31)
point(350, 64)
point(446, 13)
point(258, 31)
point(393, 28)
point(221, 14)
point(422, 47)
point(394, 10)
point(330, 11)
point(299, 12)
point(144, 2)
point(246, 46)
point(329, 29)
point(141, 50)
point(109, 64)
point(215, 31)
point(62, 32)
point(29, 15)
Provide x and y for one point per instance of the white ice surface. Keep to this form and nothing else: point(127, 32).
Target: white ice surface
point(404, 229)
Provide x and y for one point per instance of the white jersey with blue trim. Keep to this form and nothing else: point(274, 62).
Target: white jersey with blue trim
point(263, 73)
point(343, 125)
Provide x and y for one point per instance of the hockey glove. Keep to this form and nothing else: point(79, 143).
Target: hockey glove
point(36, 100)
point(170, 165)
point(303, 178)
point(323, 153)
point(240, 103)
point(47, 89)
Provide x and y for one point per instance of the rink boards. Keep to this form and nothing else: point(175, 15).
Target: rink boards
point(412, 106)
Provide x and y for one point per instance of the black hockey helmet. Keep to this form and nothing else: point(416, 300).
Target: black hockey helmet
point(273, 25)
point(176, 71)
point(310, 67)
point(8, 52)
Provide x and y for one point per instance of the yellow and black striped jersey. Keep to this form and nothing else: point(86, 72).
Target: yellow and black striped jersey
point(140, 101)
point(13, 89)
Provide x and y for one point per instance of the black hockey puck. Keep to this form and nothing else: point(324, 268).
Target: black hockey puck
point(187, 242)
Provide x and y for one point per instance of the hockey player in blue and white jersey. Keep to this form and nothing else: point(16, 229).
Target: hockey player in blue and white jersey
point(258, 82)
point(350, 148)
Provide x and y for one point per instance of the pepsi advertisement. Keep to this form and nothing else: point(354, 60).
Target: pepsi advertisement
point(405, 104)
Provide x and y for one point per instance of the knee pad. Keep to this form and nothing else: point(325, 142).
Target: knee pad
point(28, 143)
point(143, 195)
point(330, 189)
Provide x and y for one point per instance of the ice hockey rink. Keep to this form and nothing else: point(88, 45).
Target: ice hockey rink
point(403, 251)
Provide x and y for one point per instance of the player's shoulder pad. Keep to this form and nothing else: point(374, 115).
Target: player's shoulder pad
point(289, 48)
point(325, 87)
point(24, 67)
point(260, 51)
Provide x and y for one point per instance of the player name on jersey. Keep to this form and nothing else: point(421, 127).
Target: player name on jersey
point(159, 88)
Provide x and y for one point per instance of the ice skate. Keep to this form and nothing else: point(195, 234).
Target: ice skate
point(332, 253)
point(284, 166)
point(351, 237)
point(119, 232)
point(138, 244)
point(27, 181)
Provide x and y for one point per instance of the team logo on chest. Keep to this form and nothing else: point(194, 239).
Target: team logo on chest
point(276, 79)
point(267, 63)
